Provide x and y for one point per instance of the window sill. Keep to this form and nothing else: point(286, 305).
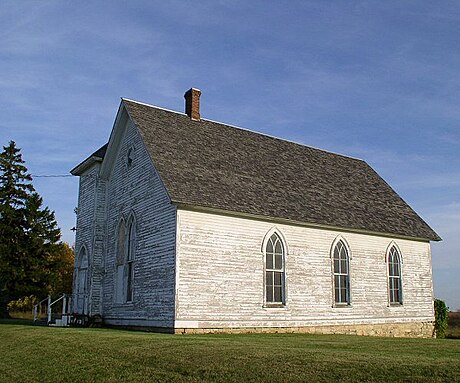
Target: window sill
point(341, 305)
point(274, 306)
point(395, 304)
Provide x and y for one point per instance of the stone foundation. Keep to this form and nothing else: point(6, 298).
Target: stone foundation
point(401, 330)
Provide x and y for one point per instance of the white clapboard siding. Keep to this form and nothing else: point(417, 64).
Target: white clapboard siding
point(138, 190)
point(98, 246)
point(220, 272)
point(86, 224)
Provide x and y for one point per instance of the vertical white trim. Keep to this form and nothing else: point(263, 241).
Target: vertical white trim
point(177, 267)
point(431, 278)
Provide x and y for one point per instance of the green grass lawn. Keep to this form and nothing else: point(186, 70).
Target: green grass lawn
point(44, 354)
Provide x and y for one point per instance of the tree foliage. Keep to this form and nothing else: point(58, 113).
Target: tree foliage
point(31, 256)
point(62, 263)
point(23, 305)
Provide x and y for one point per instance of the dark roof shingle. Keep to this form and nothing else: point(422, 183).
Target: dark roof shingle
point(100, 153)
point(213, 165)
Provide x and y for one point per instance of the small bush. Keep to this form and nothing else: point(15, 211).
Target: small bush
point(24, 304)
point(441, 315)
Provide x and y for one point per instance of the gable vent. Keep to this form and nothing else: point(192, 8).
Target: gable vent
point(192, 103)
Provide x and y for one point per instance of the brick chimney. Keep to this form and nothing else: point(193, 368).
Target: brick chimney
point(192, 103)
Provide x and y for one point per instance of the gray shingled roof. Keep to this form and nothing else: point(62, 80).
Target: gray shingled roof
point(97, 156)
point(100, 153)
point(209, 164)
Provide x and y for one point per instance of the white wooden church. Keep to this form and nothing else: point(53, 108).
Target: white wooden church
point(189, 225)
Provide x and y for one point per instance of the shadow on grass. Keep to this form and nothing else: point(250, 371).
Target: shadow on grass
point(16, 321)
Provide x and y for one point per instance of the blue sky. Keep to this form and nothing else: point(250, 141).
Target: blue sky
point(370, 79)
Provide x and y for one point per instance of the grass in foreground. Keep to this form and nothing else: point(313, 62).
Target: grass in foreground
point(43, 354)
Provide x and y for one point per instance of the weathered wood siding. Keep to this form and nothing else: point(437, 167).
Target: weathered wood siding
point(138, 190)
point(90, 234)
point(96, 261)
point(220, 273)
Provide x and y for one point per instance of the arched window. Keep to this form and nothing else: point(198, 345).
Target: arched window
point(394, 276)
point(131, 248)
point(274, 270)
point(125, 255)
point(83, 258)
point(120, 262)
point(341, 260)
point(81, 281)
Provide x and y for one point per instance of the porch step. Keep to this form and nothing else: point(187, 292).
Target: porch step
point(63, 322)
point(45, 306)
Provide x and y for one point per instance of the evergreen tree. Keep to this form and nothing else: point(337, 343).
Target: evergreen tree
point(40, 243)
point(28, 232)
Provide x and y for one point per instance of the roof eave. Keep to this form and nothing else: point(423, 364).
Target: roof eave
point(80, 168)
point(199, 208)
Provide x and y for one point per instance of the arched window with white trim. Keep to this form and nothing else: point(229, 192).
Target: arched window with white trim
point(341, 267)
point(274, 270)
point(394, 276)
point(81, 281)
point(131, 251)
point(120, 262)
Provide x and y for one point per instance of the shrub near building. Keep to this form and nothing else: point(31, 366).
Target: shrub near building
point(441, 312)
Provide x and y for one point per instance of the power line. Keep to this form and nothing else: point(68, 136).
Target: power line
point(51, 175)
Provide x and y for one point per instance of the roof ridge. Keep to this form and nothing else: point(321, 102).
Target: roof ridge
point(242, 172)
point(152, 106)
point(249, 130)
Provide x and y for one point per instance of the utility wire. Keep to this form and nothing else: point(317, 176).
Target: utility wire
point(52, 175)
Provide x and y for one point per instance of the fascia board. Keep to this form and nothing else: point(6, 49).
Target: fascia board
point(80, 168)
point(116, 136)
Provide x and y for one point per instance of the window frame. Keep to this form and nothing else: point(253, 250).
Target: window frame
point(82, 250)
point(130, 156)
point(131, 239)
point(334, 275)
point(124, 263)
point(82, 266)
point(393, 250)
point(120, 256)
point(282, 269)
